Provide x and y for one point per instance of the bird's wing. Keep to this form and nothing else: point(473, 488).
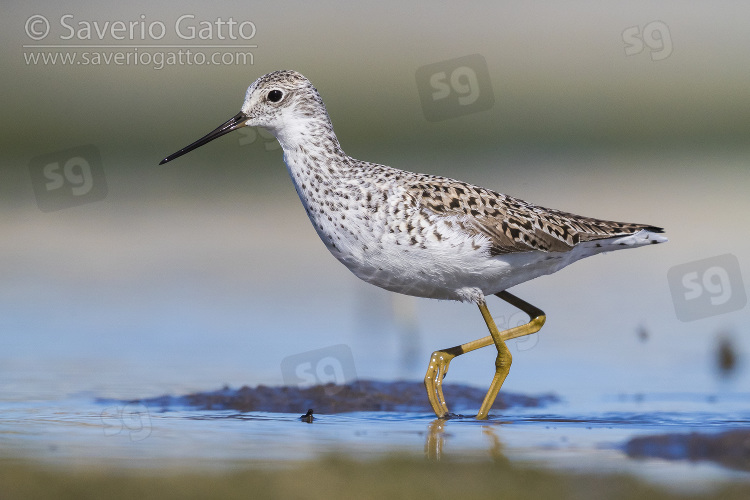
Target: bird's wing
point(511, 224)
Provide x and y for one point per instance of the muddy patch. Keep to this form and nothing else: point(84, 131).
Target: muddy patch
point(730, 448)
point(364, 395)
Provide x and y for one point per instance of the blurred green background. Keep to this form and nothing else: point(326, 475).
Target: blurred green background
point(206, 270)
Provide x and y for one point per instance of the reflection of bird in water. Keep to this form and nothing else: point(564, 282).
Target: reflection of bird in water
point(433, 446)
point(435, 442)
point(496, 446)
point(417, 234)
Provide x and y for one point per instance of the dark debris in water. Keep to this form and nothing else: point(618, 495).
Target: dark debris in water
point(726, 357)
point(730, 448)
point(363, 395)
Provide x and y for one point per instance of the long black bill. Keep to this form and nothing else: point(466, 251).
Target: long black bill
point(237, 121)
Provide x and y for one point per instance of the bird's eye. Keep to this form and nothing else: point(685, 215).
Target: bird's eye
point(275, 95)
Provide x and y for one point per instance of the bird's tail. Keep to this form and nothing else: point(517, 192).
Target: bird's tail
point(647, 236)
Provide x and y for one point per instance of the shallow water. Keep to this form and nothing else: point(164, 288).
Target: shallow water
point(83, 430)
point(121, 301)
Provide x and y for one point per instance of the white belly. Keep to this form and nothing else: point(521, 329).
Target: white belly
point(462, 271)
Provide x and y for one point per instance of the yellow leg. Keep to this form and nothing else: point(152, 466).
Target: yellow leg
point(438, 368)
point(504, 359)
point(440, 360)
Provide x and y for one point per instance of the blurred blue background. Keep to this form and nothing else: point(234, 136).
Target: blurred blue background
point(206, 271)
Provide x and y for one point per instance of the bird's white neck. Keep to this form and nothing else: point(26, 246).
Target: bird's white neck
point(310, 146)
